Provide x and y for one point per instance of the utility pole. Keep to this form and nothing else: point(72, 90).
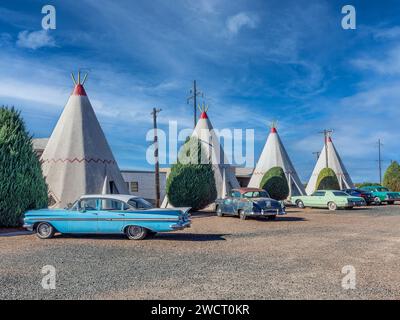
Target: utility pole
point(156, 160)
point(317, 154)
point(326, 136)
point(380, 144)
point(194, 94)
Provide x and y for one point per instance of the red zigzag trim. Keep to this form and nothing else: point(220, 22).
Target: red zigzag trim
point(79, 160)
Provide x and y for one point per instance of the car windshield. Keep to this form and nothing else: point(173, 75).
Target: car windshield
point(139, 203)
point(340, 194)
point(73, 207)
point(256, 194)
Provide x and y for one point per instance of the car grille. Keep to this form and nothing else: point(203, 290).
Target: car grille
point(269, 204)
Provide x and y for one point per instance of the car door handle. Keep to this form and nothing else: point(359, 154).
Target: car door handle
point(121, 214)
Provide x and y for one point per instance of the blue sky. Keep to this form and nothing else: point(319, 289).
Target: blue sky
point(257, 61)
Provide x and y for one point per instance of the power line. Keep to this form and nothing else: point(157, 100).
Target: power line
point(380, 144)
point(327, 134)
point(317, 154)
point(194, 94)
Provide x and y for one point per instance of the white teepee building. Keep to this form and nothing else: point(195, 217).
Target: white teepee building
point(77, 159)
point(274, 155)
point(224, 173)
point(330, 158)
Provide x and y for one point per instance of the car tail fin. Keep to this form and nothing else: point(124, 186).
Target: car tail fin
point(185, 210)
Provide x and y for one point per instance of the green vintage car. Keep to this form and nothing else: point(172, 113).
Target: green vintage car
point(382, 194)
point(331, 199)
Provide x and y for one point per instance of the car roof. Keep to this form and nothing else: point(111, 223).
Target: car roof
point(121, 197)
point(244, 190)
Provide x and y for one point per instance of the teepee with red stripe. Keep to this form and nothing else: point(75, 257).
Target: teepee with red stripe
point(77, 159)
point(274, 155)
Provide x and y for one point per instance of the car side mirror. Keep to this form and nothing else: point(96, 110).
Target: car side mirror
point(82, 210)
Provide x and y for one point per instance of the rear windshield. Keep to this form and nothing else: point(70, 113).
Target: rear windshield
point(139, 203)
point(381, 189)
point(256, 194)
point(340, 194)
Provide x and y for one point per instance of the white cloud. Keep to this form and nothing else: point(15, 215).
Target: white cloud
point(35, 39)
point(387, 33)
point(235, 23)
point(389, 64)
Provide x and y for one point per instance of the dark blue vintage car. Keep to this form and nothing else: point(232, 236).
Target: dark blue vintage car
point(107, 214)
point(249, 202)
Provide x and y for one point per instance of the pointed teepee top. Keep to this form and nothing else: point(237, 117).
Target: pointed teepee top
point(203, 111)
point(78, 89)
point(274, 126)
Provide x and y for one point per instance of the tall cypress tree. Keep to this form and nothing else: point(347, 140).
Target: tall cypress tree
point(22, 186)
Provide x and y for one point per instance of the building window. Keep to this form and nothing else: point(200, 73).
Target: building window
point(134, 186)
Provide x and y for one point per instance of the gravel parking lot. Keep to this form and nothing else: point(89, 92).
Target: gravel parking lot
point(299, 256)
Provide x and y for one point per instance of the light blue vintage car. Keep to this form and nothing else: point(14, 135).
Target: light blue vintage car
point(107, 214)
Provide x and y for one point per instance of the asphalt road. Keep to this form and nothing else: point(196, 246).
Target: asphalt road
point(299, 256)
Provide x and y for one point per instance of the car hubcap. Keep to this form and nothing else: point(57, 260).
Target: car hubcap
point(134, 231)
point(44, 230)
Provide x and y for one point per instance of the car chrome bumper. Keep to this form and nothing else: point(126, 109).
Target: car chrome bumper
point(357, 204)
point(268, 212)
point(28, 227)
point(181, 226)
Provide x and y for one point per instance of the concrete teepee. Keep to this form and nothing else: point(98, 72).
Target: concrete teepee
point(224, 173)
point(330, 158)
point(77, 159)
point(275, 155)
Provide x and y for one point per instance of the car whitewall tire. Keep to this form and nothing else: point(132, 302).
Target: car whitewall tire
point(377, 201)
point(332, 206)
point(45, 230)
point(300, 204)
point(242, 215)
point(219, 212)
point(136, 233)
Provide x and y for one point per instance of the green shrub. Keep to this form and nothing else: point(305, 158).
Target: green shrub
point(327, 180)
point(191, 183)
point(275, 183)
point(391, 179)
point(22, 186)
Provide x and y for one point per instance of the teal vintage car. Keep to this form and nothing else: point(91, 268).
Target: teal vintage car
point(249, 202)
point(107, 214)
point(382, 194)
point(330, 199)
